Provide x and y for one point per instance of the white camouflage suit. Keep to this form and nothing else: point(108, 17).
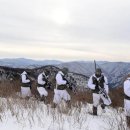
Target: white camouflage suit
point(25, 90)
point(97, 96)
point(60, 94)
point(127, 100)
point(41, 88)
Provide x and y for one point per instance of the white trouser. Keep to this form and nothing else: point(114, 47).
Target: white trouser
point(98, 97)
point(59, 95)
point(42, 91)
point(25, 92)
point(127, 107)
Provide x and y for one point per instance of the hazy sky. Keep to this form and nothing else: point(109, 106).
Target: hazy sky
point(65, 29)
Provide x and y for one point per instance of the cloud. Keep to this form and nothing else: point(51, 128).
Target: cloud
point(71, 20)
point(92, 28)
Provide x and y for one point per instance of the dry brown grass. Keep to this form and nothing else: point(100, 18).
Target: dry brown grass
point(117, 97)
point(9, 89)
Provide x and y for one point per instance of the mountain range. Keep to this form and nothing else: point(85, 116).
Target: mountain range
point(26, 63)
point(115, 71)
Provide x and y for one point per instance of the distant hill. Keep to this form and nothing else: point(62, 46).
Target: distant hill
point(26, 63)
point(13, 74)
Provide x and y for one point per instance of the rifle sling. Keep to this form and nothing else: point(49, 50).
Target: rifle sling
point(126, 97)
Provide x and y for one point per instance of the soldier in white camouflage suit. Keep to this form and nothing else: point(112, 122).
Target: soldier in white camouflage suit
point(60, 91)
point(26, 85)
point(99, 85)
point(42, 81)
point(127, 98)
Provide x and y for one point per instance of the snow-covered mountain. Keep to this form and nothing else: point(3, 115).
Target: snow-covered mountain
point(115, 71)
point(26, 63)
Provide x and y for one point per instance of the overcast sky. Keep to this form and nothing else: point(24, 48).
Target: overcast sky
point(65, 29)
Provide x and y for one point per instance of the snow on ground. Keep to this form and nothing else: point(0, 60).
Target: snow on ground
point(16, 114)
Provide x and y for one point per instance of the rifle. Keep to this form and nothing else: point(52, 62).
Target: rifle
point(47, 83)
point(103, 92)
point(67, 82)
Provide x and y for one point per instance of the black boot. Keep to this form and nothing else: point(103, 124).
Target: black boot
point(128, 121)
point(103, 106)
point(95, 111)
point(43, 98)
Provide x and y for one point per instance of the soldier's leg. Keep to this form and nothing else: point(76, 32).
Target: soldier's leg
point(127, 111)
point(44, 99)
point(25, 92)
point(95, 111)
point(96, 100)
point(67, 98)
point(43, 94)
point(57, 98)
point(103, 106)
point(128, 121)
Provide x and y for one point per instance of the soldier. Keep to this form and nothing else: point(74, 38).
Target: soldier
point(26, 85)
point(99, 85)
point(42, 85)
point(60, 91)
point(127, 98)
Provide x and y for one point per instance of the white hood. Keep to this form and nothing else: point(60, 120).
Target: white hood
point(43, 73)
point(60, 72)
point(24, 73)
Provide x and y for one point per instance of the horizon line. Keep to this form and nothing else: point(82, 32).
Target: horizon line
point(61, 60)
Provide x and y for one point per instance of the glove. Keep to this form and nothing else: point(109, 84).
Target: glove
point(70, 88)
point(97, 87)
point(67, 82)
